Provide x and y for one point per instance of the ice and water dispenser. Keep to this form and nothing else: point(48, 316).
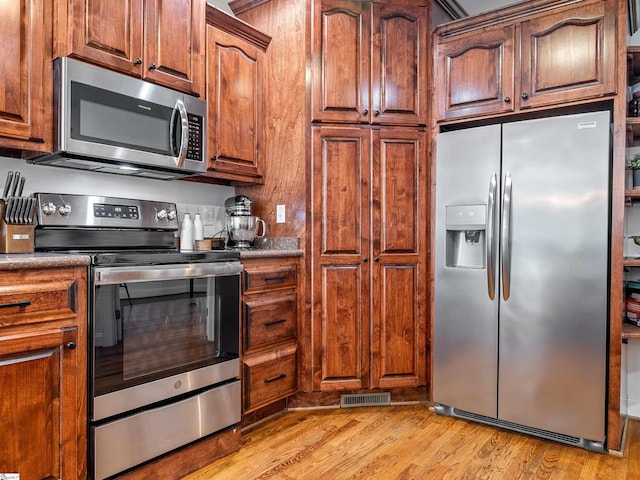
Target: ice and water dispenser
point(466, 239)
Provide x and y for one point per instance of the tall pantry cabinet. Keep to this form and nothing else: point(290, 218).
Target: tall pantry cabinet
point(366, 177)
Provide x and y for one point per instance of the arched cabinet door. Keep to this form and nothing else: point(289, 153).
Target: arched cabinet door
point(475, 73)
point(568, 56)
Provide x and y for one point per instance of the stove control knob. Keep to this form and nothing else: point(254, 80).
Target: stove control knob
point(172, 215)
point(49, 208)
point(64, 209)
point(161, 215)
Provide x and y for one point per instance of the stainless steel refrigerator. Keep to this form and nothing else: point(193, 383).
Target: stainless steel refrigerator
point(522, 275)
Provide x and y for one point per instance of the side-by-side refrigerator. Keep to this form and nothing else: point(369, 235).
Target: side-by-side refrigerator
point(522, 275)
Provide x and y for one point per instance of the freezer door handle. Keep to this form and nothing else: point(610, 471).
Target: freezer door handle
point(505, 240)
point(491, 221)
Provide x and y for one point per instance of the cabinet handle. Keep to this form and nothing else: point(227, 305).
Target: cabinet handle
point(275, 322)
point(507, 99)
point(214, 158)
point(376, 259)
point(137, 61)
point(275, 279)
point(152, 66)
point(71, 345)
point(365, 259)
point(279, 377)
point(376, 112)
point(524, 96)
point(366, 112)
point(22, 303)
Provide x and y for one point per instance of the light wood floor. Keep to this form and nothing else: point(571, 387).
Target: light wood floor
point(409, 442)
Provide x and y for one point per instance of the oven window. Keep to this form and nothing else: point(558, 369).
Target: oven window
point(144, 331)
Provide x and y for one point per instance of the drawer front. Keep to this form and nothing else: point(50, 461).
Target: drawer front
point(267, 278)
point(32, 296)
point(269, 320)
point(269, 381)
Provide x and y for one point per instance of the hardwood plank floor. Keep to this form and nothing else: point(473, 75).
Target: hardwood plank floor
point(409, 442)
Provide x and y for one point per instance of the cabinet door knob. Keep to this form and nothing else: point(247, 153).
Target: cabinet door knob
point(507, 99)
point(376, 112)
point(214, 158)
point(365, 259)
point(524, 96)
point(366, 112)
point(71, 345)
point(152, 66)
point(376, 259)
point(137, 61)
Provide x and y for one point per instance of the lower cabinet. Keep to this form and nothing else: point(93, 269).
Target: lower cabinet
point(269, 330)
point(42, 373)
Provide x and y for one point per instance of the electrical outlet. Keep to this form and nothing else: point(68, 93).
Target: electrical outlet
point(280, 214)
point(208, 215)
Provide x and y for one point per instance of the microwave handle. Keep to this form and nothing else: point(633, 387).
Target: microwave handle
point(181, 154)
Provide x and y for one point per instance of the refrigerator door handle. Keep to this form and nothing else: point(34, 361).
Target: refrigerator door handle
point(505, 240)
point(491, 221)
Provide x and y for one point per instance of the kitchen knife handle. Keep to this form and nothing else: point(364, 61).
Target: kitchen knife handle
point(7, 186)
point(491, 221)
point(505, 250)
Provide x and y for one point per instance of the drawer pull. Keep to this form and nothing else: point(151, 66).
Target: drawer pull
point(275, 279)
point(275, 322)
point(71, 345)
point(23, 303)
point(279, 377)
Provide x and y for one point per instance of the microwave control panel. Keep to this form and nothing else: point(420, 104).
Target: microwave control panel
point(194, 148)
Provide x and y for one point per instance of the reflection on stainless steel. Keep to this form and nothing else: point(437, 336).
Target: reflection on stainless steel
point(534, 358)
point(115, 275)
point(132, 440)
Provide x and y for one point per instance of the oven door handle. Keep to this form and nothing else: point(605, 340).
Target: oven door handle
point(150, 273)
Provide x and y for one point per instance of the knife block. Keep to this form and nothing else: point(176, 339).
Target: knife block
point(15, 238)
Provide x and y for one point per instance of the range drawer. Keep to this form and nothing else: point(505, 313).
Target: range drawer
point(30, 296)
point(269, 378)
point(258, 279)
point(269, 319)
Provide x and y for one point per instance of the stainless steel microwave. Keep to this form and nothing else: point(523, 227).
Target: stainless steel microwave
point(113, 123)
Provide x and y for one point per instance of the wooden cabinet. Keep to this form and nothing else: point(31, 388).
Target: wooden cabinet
point(25, 83)
point(43, 372)
point(529, 58)
point(369, 223)
point(369, 62)
point(160, 41)
point(269, 330)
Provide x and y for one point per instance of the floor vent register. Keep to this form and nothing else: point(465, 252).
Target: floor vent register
point(365, 399)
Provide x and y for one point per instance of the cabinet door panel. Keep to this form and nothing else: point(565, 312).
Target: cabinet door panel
point(174, 44)
point(341, 225)
point(399, 65)
point(568, 56)
point(341, 55)
point(108, 33)
point(25, 38)
point(37, 382)
point(475, 74)
point(233, 93)
point(398, 293)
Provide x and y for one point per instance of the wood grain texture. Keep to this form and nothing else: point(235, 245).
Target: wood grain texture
point(408, 442)
point(283, 140)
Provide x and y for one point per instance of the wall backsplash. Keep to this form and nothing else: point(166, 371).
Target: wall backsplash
point(189, 196)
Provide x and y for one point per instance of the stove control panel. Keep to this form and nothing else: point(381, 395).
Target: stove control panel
point(87, 211)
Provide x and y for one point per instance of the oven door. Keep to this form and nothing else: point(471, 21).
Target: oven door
point(161, 331)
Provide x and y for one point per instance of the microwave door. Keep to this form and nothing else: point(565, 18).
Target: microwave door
point(179, 133)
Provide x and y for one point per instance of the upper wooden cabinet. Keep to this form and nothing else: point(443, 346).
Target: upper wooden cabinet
point(25, 103)
point(527, 59)
point(369, 62)
point(235, 89)
point(160, 41)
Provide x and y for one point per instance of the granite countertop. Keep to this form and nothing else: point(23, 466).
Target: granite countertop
point(273, 247)
point(20, 261)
